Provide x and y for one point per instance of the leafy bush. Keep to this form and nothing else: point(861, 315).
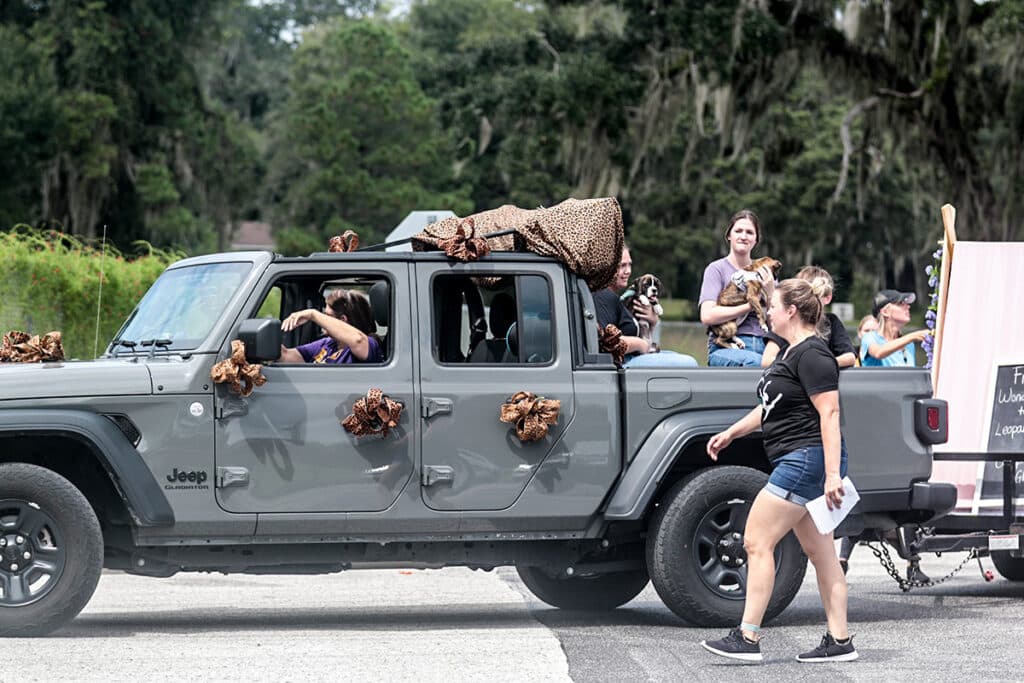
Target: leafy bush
point(51, 280)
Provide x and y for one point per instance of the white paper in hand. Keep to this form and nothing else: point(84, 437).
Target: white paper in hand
point(827, 520)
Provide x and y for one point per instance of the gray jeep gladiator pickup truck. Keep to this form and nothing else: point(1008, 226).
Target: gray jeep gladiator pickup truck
point(137, 461)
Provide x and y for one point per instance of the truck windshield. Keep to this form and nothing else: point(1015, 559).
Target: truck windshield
point(182, 306)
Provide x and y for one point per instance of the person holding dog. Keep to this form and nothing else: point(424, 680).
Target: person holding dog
point(347, 321)
point(743, 234)
point(610, 310)
point(887, 347)
point(798, 415)
point(832, 329)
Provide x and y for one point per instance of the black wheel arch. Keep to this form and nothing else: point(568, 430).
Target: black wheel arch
point(132, 481)
point(674, 450)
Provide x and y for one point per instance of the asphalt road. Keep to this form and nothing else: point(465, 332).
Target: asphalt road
point(459, 625)
point(964, 630)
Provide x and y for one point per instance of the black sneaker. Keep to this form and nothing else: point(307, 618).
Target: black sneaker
point(914, 573)
point(734, 646)
point(830, 651)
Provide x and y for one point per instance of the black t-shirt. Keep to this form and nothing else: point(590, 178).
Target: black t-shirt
point(610, 310)
point(838, 338)
point(789, 420)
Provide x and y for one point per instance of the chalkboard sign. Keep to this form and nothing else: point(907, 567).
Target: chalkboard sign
point(1006, 424)
point(992, 483)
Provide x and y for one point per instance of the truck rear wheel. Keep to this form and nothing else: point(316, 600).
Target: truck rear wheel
point(51, 550)
point(596, 592)
point(1012, 568)
point(695, 549)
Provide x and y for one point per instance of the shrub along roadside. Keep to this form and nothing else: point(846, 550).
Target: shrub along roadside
point(50, 281)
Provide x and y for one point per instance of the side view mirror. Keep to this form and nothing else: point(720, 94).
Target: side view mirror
point(262, 338)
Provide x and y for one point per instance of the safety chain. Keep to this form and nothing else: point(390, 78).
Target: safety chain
point(882, 553)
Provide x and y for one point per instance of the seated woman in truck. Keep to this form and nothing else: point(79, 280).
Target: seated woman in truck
point(743, 234)
point(610, 310)
point(347, 322)
point(867, 324)
point(887, 347)
point(831, 328)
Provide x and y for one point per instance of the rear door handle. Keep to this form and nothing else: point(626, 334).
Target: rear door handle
point(435, 406)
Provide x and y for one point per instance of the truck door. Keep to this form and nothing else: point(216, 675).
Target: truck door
point(282, 449)
point(487, 331)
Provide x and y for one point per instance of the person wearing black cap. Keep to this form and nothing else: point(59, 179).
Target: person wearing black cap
point(886, 346)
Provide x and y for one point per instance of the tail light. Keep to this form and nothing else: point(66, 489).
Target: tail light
point(931, 423)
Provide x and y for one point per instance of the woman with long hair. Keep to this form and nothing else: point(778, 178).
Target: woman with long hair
point(347, 322)
point(887, 346)
point(742, 235)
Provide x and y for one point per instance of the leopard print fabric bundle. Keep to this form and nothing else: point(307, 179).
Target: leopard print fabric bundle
point(373, 414)
point(345, 242)
point(240, 375)
point(586, 235)
point(530, 414)
point(465, 245)
point(609, 340)
point(21, 347)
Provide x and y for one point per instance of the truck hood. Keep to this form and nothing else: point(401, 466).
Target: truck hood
point(72, 379)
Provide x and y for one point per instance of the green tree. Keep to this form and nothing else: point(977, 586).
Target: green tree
point(359, 143)
point(28, 107)
point(128, 142)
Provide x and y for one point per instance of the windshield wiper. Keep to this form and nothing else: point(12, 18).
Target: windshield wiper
point(127, 343)
point(154, 343)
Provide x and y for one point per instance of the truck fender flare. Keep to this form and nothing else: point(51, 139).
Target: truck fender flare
point(130, 476)
point(661, 449)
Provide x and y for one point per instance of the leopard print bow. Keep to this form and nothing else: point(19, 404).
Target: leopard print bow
point(345, 242)
point(530, 414)
point(21, 347)
point(375, 413)
point(610, 340)
point(464, 245)
point(242, 377)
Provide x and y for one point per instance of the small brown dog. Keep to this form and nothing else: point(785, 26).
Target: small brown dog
point(746, 287)
point(646, 289)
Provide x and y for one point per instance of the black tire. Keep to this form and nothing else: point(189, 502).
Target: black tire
point(592, 593)
point(1012, 568)
point(685, 552)
point(44, 516)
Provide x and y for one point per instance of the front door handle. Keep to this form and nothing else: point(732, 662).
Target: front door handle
point(435, 406)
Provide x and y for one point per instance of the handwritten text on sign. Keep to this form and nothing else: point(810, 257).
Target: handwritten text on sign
point(1006, 431)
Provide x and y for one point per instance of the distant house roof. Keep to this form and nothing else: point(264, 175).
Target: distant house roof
point(252, 236)
point(415, 222)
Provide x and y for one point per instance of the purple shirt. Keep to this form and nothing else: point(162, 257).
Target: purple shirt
point(716, 276)
point(325, 350)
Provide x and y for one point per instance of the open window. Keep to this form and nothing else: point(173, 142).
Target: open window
point(490, 320)
point(293, 293)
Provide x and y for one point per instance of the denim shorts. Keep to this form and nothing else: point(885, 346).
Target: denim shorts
point(799, 476)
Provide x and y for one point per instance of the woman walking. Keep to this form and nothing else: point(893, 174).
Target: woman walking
point(798, 415)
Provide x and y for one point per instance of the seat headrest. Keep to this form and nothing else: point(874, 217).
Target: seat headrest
point(535, 337)
point(502, 314)
point(380, 303)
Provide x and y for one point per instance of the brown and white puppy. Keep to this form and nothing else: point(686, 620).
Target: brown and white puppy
point(746, 287)
point(646, 289)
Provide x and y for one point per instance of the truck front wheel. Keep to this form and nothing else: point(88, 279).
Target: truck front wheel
point(51, 550)
point(596, 592)
point(1012, 568)
point(695, 549)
